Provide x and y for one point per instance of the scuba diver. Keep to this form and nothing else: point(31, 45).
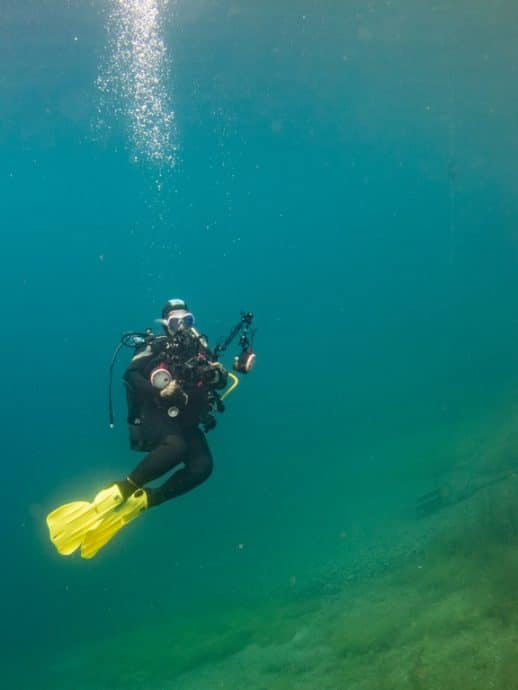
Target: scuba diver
point(172, 389)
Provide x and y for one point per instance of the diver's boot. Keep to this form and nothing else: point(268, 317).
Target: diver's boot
point(106, 529)
point(69, 523)
point(127, 487)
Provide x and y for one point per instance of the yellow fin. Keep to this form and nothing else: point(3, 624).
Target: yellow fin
point(107, 528)
point(69, 523)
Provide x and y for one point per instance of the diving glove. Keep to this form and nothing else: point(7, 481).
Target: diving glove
point(169, 390)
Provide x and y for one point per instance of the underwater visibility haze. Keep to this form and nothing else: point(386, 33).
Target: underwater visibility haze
point(347, 172)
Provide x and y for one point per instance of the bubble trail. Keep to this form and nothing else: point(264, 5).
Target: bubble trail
point(134, 83)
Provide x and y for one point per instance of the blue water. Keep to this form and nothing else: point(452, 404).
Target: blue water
point(345, 170)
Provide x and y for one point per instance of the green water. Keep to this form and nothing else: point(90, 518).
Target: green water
point(345, 170)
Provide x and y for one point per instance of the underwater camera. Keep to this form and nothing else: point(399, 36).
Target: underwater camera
point(196, 366)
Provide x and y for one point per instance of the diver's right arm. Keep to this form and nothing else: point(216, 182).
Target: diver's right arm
point(135, 375)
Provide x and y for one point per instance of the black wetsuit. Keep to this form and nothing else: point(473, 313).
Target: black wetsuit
point(169, 427)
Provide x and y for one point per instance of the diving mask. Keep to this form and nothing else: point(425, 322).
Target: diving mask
point(179, 322)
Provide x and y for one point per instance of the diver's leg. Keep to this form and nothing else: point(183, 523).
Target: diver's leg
point(165, 457)
point(198, 467)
